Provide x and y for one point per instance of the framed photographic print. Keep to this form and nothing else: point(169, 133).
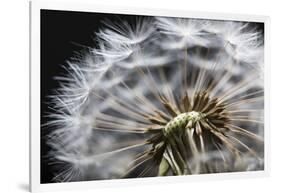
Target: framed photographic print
point(121, 96)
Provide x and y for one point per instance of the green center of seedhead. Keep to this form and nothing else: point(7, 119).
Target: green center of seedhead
point(182, 121)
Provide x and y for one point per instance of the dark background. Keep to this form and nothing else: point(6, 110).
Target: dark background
point(62, 34)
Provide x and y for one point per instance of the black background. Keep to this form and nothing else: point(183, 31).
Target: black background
point(61, 34)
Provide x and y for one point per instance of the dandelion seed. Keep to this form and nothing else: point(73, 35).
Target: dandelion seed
point(242, 42)
point(120, 41)
point(182, 33)
point(124, 33)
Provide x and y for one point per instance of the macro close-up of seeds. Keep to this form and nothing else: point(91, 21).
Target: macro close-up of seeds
point(159, 96)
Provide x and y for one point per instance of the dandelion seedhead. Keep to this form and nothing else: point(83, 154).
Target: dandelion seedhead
point(160, 97)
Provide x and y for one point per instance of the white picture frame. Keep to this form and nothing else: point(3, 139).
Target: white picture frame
point(36, 6)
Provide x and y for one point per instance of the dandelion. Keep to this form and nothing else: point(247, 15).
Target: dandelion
point(134, 112)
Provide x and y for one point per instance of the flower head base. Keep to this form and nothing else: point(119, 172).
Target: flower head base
point(183, 121)
point(201, 118)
